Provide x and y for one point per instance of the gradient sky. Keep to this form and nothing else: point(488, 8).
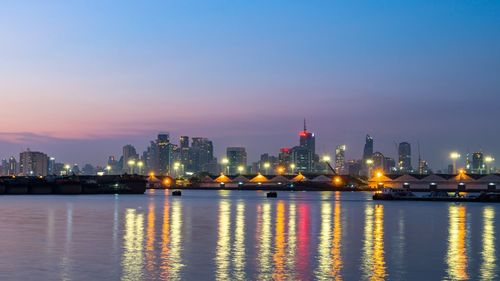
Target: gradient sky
point(79, 79)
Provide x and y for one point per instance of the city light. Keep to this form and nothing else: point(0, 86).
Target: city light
point(225, 161)
point(241, 169)
point(280, 170)
point(369, 161)
point(454, 155)
point(267, 165)
point(379, 174)
point(326, 158)
point(489, 159)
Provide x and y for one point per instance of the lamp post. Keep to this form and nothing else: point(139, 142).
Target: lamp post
point(267, 165)
point(108, 169)
point(177, 166)
point(131, 164)
point(67, 168)
point(241, 169)
point(454, 156)
point(369, 165)
point(225, 163)
point(292, 168)
point(488, 160)
point(326, 159)
point(140, 164)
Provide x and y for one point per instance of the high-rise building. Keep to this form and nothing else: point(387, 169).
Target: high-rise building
point(52, 166)
point(354, 167)
point(285, 157)
point(201, 155)
point(340, 159)
point(404, 152)
point(237, 157)
point(304, 155)
point(164, 153)
point(378, 161)
point(33, 163)
point(477, 165)
point(368, 150)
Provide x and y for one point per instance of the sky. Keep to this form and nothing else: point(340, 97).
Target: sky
point(80, 79)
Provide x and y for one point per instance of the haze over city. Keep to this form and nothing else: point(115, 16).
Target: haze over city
point(80, 80)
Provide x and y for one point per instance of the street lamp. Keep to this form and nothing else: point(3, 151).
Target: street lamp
point(292, 167)
point(267, 165)
point(139, 165)
point(177, 165)
point(488, 160)
point(241, 169)
point(108, 169)
point(225, 162)
point(369, 164)
point(326, 158)
point(131, 164)
point(67, 168)
point(454, 156)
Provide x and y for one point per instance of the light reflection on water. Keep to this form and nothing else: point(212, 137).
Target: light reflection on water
point(234, 235)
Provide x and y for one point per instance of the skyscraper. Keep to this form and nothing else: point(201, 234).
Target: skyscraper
point(368, 150)
point(404, 152)
point(304, 155)
point(340, 159)
point(164, 153)
point(201, 155)
point(237, 157)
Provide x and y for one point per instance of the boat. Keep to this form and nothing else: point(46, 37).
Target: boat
point(394, 194)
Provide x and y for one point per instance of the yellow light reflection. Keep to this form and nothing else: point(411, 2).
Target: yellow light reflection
point(325, 243)
point(165, 241)
point(457, 260)
point(239, 243)
point(150, 238)
point(132, 260)
point(265, 244)
point(488, 266)
point(223, 250)
point(373, 249)
point(337, 262)
point(279, 255)
point(176, 242)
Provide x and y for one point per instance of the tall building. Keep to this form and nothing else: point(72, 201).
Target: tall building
point(404, 152)
point(201, 155)
point(354, 168)
point(164, 153)
point(237, 157)
point(340, 159)
point(33, 163)
point(285, 157)
point(477, 165)
point(304, 156)
point(368, 150)
point(9, 167)
point(378, 161)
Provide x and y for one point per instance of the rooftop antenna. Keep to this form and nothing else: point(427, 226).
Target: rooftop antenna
point(305, 126)
point(419, 158)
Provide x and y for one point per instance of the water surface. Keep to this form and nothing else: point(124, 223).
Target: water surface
point(241, 235)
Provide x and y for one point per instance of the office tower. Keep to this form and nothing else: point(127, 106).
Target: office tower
point(340, 159)
point(304, 155)
point(237, 157)
point(423, 167)
point(404, 152)
point(201, 156)
point(368, 150)
point(33, 163)
point(389, 165)
point(164, 153)
point(184, 142)
point(477, 165)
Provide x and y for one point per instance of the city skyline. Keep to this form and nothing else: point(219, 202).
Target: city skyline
point(79, 80)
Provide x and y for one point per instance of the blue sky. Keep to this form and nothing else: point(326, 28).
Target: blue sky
point(82, 78)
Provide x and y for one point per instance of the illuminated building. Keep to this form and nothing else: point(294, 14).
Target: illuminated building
point(33, 163)
point(304, 155)
point(285, 157)
point(340, 159)
point(404, 153)
point(354, 167)
point(237, 157)
point(477, 166)
point(164, 153)
point(201, 156)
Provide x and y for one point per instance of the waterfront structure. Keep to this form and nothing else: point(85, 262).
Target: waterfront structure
point(340, 159)
point(404, 153)
point(33, 163)
point(237, 160)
